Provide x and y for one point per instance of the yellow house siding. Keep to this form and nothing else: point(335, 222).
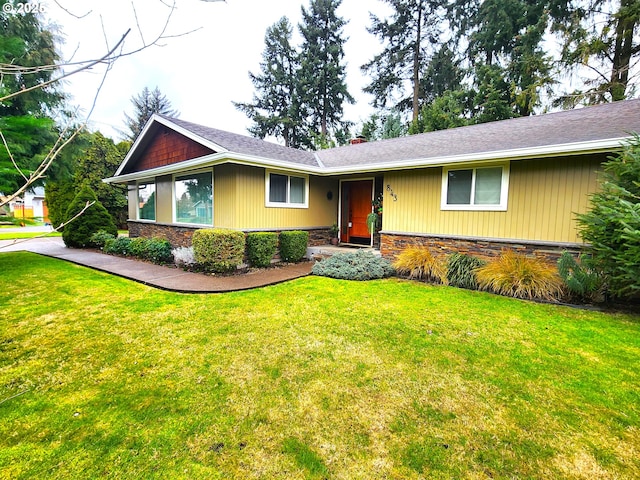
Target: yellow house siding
point(544, 195)
point(225, 199)
point(164, 199)
point(239, 201)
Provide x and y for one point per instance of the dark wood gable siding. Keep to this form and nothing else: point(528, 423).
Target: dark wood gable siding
point(166, 148)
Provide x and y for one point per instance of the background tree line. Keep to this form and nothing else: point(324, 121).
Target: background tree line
point(41, 139)
point(443, 64)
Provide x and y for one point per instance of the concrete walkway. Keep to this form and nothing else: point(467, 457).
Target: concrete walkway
point(166, 278)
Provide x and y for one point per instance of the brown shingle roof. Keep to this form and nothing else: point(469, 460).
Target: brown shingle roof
point(607, 121)
point(248, 145)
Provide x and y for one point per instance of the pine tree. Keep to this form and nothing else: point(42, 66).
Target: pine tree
point(275, 109)
point(323, 88)
point(509, 65)
point(408, 35)
point(145, 104)
point(601, 36)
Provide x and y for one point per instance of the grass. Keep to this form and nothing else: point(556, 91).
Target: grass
point(315, 378)
point(21, 235)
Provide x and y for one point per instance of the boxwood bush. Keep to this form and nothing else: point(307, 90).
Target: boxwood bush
point(99, 238)
point(359, 265)
point(118, 246)
point(218, 250)
point(293, 245)
point(261, 247)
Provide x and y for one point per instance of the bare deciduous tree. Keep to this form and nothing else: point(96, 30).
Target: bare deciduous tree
point(64, 69)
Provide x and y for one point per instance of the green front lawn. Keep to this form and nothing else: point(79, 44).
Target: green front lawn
point(315, 378)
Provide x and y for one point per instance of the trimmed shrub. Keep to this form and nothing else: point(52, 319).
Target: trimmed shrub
point(419, 263)
point(77, 234)
point(360, 265)
point(580, 277)
point(461, 270)
point(99, 238)
point(118, 246)
point(293, 245)
point(218, 250)
point(519, 276)
point(138, 247)
point(158, 250)
point(261, 247)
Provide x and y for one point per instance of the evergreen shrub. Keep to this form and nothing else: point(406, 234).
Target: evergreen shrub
point(218, 250)
point(293, 245)
point(418, 262)
point(118, 246)
point(77, 234)
point(580, 277)
point(461, 270)
point(99, 238)
point(261, 247)
point(611, 227)
point(359, 265)
point(516, 275)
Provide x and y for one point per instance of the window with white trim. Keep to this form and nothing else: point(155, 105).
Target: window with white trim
point(147, 201)
point(287, 190)
point(193, 200)
point(479, 188)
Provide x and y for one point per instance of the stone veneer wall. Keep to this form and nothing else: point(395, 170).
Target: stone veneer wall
point(180, 236)
point(392, 244)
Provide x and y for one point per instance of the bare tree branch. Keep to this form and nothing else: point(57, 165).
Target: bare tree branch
point(56, 229)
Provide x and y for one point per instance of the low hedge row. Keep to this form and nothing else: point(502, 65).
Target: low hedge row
point(156, 250)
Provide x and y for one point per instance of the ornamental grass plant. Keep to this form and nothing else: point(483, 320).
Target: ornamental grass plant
point(420, 264)
point(519, 276)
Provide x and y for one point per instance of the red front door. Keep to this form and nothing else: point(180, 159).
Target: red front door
point(356, 205)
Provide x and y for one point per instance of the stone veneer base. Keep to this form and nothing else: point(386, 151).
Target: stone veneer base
point(393, 243)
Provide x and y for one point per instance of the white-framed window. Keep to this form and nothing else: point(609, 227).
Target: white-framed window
point(193, 198)
point(477, 188)
point(147, 201)
point(291, 191)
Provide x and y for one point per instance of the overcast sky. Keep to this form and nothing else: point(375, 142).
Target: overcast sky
point(201, 73)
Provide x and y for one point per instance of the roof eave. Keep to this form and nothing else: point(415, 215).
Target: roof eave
point(576, 148)
point(167, 123)
point(213, 160)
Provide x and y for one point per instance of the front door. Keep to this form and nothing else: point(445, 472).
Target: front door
point(356, 205)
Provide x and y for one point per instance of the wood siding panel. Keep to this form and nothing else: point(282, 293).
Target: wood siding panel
point(166, 148)
point(164, 199)
point(225, 196)
point(239, 202)
point(544, 195)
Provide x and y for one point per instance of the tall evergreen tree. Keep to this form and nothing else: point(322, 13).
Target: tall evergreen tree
point(100, 160)
point(145, 104)
point(323, 88)
point(26, 120)
point(275, 108)
point(408, 36)
point(601, 37)
point(505, 40)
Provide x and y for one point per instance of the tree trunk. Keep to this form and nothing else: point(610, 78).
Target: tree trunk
point(622, 54)
point(416, 65)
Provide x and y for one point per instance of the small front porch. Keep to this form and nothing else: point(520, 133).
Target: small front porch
point(322, 251)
